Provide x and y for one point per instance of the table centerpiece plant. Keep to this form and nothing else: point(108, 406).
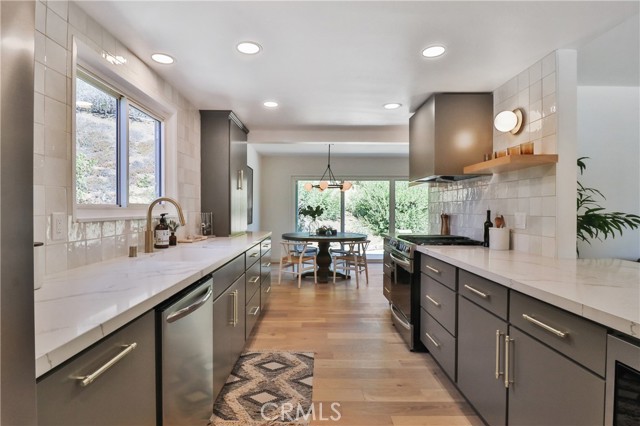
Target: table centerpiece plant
point(313, 213)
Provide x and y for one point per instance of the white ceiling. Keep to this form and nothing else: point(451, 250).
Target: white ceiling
point(332, 65)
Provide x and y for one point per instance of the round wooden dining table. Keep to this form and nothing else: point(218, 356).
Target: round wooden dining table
point(323, 259)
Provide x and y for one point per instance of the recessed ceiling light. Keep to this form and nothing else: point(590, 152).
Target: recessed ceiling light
point(162, 58)
point(270, 104)
point(433, 51)
point(248, 47)
point(392, 105)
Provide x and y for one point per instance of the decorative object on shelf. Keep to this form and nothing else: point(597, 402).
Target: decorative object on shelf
point(507, 163)
point(343, 185)
point(593, 221)
point(173, 227)
point(509, 121)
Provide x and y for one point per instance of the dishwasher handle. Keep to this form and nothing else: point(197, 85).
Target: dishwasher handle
point(181, 313)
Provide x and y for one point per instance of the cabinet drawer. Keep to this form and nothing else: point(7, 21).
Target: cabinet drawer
point(439, 342)
point(225, 276)
point(253, 255)
point(439, 270)
point(265, 266)
point(491, 296)
point(124, 394)
point(583, 341)
point(439, 301)
point(265, 246)
point(265, 292)
point(253, 280)
point(252, 313)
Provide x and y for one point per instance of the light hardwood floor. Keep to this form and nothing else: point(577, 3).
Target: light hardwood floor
point(360, 361)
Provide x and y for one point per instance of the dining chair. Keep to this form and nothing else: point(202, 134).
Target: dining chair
point(352, 258)
point(300, 257)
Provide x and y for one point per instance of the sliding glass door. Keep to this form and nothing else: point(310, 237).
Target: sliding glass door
point(372, 207)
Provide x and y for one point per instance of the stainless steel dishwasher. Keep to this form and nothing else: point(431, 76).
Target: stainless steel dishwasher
point(186, 357)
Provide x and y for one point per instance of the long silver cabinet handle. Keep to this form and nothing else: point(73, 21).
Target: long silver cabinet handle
point(253, 254)
point(498, 372)
point(387, 290)
point(254, 311)
point(181, 313)
point(87, 380)
point(268, 290)
point(388, 265)
point(240, 179)
point(432, 269)
point(266, 265)
point(430, 299)
point(235, 308)
point(476, 291)
point(253, 280)
point(544, 326)
point(507, 380)
point(436, 344)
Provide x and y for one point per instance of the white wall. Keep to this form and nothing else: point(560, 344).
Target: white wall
point(57, 23)
point(532, 191)
point(277, 209)
point(609, 135)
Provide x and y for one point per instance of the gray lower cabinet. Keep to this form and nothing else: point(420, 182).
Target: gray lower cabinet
point(228, 331)
point(124, 394)
point(547, 388)
point(480, 371)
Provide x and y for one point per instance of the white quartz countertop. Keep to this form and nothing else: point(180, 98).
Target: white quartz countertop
point(76, 308)
point(606, 291)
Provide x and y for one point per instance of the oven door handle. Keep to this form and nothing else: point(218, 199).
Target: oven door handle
point(400, 320)
point(406, 264)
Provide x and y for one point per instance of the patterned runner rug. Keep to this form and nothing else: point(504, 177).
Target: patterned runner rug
point(267, 388)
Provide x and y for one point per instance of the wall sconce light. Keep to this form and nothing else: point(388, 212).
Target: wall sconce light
point(509, 121)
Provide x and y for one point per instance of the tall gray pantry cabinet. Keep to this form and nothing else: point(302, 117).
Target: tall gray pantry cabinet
point(224, 171)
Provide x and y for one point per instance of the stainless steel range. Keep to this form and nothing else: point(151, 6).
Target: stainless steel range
point(401, 283)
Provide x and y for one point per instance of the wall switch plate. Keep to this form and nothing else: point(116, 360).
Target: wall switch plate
point(58, 226)
point(521, 220)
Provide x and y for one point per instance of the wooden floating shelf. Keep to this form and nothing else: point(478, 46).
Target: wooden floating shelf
point(511, 162)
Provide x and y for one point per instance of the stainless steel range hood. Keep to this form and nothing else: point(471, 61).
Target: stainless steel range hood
point(448, 132)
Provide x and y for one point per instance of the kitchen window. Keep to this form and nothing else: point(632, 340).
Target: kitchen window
point(118, 148)
point(372, 207)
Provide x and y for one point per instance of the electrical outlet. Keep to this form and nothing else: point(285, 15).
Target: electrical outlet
point(58, 226)
point(521, 220)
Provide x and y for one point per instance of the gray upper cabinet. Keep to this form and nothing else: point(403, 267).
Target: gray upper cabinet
point(456, 127)
point(224, 171)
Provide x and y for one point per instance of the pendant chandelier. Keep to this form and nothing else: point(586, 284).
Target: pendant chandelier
point(332, 182)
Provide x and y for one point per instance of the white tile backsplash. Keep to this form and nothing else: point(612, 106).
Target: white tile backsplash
point(531, 191)
point(57, 22)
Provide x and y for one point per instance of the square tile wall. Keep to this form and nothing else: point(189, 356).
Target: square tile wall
point(531, 191)
point(57, 22)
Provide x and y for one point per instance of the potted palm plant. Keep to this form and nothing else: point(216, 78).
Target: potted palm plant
point(593, 221)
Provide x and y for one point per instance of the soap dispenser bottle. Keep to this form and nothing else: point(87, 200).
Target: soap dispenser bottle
point(162, 233)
